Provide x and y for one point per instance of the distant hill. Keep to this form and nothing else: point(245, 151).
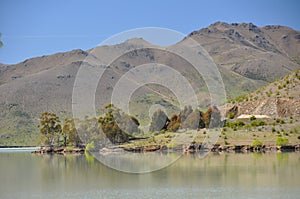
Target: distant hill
point(247, 56)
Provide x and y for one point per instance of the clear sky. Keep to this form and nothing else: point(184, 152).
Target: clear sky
point(33, 28)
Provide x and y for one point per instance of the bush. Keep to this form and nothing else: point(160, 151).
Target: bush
point(234, 125)
point(90, 146)
point(172, 144)
point(257, 143)
point(280, 121)
point(282, 141)
point(256, 123)
point(231, 115)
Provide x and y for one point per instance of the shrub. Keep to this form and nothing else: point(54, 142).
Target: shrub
point(172, 144)
point(234, 125)
point(273, 130)
point(280, 121)
point(282, 141)
point(252, 118)
point(257, 143)
point(231, 115)
point(256, 123)
point(90, 146)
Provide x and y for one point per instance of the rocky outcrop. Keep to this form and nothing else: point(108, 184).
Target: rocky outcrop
point(272, 107)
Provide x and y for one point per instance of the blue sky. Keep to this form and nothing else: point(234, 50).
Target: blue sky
point(34, 28)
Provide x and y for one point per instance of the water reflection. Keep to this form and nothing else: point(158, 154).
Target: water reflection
point(137, 162)
point(226, 175)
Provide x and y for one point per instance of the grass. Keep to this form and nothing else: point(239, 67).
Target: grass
point(239, 137)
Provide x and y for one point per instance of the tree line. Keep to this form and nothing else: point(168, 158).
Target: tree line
point(116, 127)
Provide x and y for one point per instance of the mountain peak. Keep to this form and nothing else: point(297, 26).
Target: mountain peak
point(136, 40)
point(219, 24)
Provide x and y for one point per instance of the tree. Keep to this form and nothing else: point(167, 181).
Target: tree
point(50, 128)
point(70, 134)
point(174, 123)
point(212, 118)
point(112, 129)
point(207, 116)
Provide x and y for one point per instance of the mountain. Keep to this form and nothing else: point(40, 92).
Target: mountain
point(247, 56)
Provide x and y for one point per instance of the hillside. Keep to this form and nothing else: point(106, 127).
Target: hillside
point(280, 99)
point(247, 56)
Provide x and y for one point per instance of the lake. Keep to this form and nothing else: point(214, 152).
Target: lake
point(226, 175)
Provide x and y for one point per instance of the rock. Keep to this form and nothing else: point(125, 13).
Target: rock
point(288, 148)
point(151, 148)
point(78, 150)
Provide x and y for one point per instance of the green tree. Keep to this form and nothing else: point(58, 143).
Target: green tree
point(111, 128)
point(70, 134)
point(50, 128)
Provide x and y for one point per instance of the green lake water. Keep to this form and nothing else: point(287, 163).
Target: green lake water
point(226, 175)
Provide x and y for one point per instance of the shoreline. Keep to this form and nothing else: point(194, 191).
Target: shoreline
point(59, 150)
point(192, 148)
point(12, 147)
